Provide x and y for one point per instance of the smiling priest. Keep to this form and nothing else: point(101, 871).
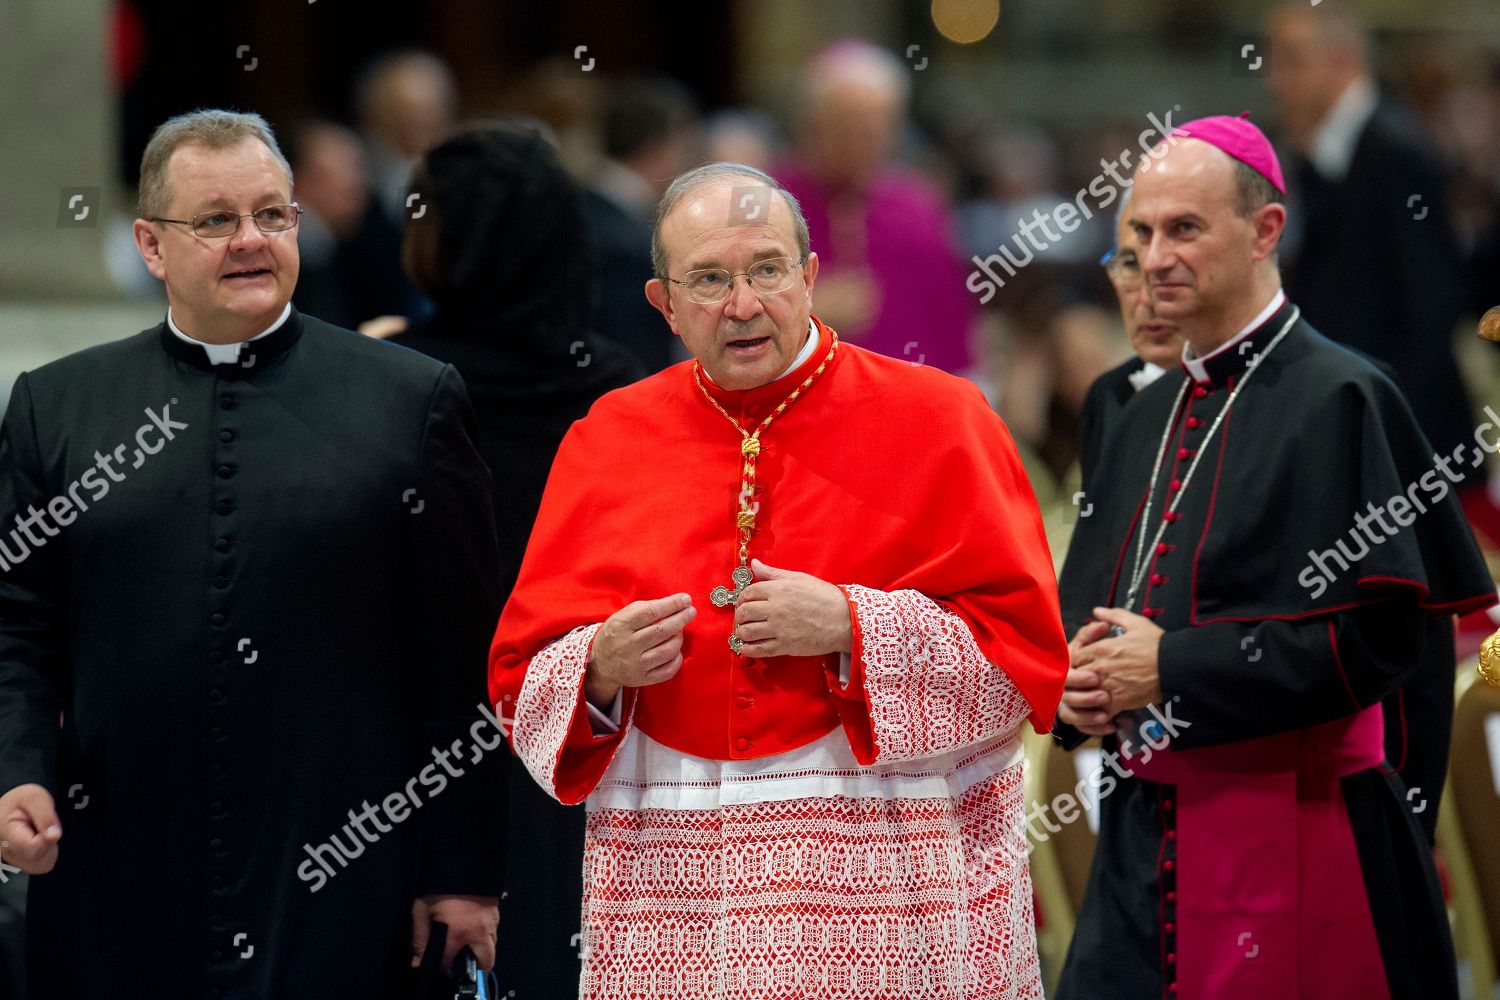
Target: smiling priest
point(784, 610)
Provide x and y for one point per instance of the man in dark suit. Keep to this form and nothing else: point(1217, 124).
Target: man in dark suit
point(252, 574)
point(650, 136)
point(1376, 264)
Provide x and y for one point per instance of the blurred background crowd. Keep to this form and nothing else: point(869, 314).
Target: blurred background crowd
point(934, 147)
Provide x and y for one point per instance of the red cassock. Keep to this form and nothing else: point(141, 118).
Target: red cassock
point(896, 482)
point(883, 474)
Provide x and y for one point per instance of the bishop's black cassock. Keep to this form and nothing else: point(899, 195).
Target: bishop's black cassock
point(266, 611)
point(1274, 673)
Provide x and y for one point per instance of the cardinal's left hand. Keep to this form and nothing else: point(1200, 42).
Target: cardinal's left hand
point(785, 613)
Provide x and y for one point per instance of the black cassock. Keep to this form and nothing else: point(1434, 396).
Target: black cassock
point(1255, 645)
point(274, 613)
point(1418, 716)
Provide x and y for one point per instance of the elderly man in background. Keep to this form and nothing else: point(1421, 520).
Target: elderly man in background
point(893, 279)
point(1254, 843)
point(1155, 340)
point(782, 615)
point(261, 620)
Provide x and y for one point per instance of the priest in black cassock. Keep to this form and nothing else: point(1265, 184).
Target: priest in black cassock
point(1239, 624)
point(244, 610)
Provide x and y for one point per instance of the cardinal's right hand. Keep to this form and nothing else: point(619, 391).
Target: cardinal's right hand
point(639, 645)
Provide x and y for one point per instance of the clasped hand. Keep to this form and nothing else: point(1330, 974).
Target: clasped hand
point(1109, 674)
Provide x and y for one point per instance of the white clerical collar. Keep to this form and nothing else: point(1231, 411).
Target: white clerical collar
point(1333, 144)
point(1197, 367)
point(802, 355)
point(226, 354)
point(1149, 372)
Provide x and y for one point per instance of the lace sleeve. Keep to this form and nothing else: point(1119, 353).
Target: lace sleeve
point(918, 684)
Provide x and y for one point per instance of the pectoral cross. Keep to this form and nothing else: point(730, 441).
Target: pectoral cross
point(723, 596)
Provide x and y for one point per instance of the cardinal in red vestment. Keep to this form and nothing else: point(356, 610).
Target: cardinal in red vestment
point(783, 612)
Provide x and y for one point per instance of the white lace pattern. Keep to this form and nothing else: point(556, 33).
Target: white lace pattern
point(930, 688)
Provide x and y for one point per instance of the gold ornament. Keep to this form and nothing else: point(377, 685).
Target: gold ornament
point(1489, 659)
point(744, 518)
point(1489, 324)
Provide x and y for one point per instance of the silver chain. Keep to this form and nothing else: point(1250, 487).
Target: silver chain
point(1138, 570)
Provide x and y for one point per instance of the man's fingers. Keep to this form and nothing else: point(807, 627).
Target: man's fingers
point(661, 654)
point(642, 613)
point(665, 672)
point(1104, 729)
point(1083, 719)
point(421, 925)
point(484, 951)
point(1079, 680)
point(1092, 632)
point(1092, 698)
point(1119, 616)
point(654, 632)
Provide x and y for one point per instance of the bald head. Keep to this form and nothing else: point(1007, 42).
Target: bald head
point(1208, 266)
point(1316, 53)
point(854, 99)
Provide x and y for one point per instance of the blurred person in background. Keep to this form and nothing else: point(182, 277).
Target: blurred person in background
point(893, 280)
point(259, 634)
point(498, 252)
point(651, 135)
point(741, 135)
point(407, 103)
point(1155, 340)
point(1375, 263)
point(351, 251)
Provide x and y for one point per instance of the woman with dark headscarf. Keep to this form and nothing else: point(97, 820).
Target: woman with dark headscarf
point(497, 243)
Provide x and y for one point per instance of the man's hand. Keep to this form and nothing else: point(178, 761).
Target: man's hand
point(1085, 706)
point(29, 826)
point(639, 645)
point(791, 614)
point(1125, 664)
point(471, 920)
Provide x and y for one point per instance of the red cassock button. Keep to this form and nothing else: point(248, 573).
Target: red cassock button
point(1171, 517)
point(1184, 453)
point(1157, 579)
point(742, 744)
point(1168, 865)
point(1171, 928)
point(1171, 958)
point(1151, 612)
point(1176, 485)
point(1171, 834)
point(1161, 548)
point(743, 702)
point(1194, 423)
point(1172, 897)
point(1171, 987)
point(1166, 803)
point(1200, 392)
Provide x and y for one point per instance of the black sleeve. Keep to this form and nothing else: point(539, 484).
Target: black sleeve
point(453, 593)
point(1242, 680)
point(32, 636)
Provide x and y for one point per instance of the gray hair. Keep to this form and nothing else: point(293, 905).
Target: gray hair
point(212, 128)
point(690, 181)
point(1253, 190)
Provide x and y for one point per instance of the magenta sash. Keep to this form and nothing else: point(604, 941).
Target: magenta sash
point(1271, 901)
